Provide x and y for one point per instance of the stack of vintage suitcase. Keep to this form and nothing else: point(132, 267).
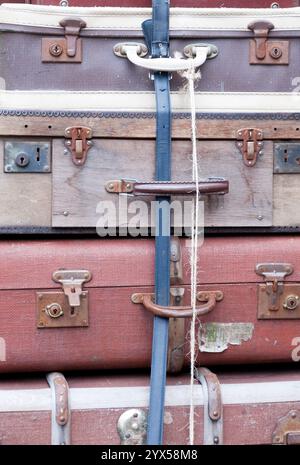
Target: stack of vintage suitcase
point(87, 115)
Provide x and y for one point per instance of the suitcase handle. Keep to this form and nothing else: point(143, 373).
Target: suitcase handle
point(211, 186)
point(134, 52)
point(210, 297)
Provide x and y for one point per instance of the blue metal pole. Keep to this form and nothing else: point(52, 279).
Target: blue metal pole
point(160, 47)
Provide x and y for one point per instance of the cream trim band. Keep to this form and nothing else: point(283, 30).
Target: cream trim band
point(138, 396)
point(231, 19)
point(210, 102)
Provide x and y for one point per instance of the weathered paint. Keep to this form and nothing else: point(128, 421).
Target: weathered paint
point(216, 337)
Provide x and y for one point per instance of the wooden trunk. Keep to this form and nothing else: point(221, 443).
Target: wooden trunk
point(254, 403)
point(70, 196)
point(109, 331)
point(55, 177)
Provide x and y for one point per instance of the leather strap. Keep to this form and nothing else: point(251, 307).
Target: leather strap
point(160, 48)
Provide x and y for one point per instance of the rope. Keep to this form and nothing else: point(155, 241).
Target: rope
point(191, 76)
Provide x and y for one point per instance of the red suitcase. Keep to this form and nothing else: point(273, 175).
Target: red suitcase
point(249, 288)
point(248, 408)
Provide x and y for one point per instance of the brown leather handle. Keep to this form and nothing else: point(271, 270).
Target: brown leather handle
point(212, 297)
point(215, 186)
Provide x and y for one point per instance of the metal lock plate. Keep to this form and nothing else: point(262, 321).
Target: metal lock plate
point(64, 49)
point(277, 53)
point(54, 311)
point(264, 51)
point(287, 157)
point(287, 430)
point(25, 156)
point(55, 50)
point(277, 300)
point(288, 303)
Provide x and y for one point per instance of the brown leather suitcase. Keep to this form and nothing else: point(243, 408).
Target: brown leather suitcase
point(249, 408)
point(88, 304)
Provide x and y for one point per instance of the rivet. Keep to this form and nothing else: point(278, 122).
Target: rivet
point(89, 142)
point(111, 186)
point(216, 440)
point(8, 167)
point(127, 435)
point(135, 426)
point(62, 418)
point(66, 151)
point(215, 413)
point(68, 142)
point(46, 168)
point(66, 213)
point(275, 5)
point(84, 322)
point(41, 323)
point(260, 217)
point(294, 415)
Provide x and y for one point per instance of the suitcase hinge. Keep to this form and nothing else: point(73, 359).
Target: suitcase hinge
point(176, 325)
point(79, 144)
point(277, 299)
point(287, 430)
point(213, 406)
point(264, 51)
point(251, 145)
point(61, 414)
point(67, 49)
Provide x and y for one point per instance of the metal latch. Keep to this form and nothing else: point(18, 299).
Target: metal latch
point(287, 431)
point(276, 298)
point(61, 412)
point(67, 49)
point(265, 51)
point(79, 144)
point(72, 282)
point(251, 144)
point(66, 308)
point(213, 407)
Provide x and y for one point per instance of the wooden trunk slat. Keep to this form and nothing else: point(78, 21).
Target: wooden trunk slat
point(78, 191)
point(143, 128)
point(286, 200)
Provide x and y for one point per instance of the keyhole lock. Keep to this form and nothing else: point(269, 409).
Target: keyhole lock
point(54, 310)
point(22, 160)
point(55, 50)
point(291, 302)
point(276, 53)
